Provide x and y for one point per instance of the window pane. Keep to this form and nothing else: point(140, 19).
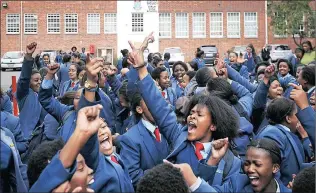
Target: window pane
point(199, 24)
point(93, 23)
point(13, 23)
point(137, 22)
point(182, 25)
point(233, 25)
point(216, 25)
point(53, 23)
point(30, 23)
point(251, 25)
point(164, 24)
point(71, 23)
point(110, 23)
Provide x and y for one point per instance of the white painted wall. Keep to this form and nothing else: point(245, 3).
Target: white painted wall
point(124, 26)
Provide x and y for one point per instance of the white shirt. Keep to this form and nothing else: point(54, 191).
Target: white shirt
point(278, 186)
point(166, 93)
point(311, 89)
point(284, 127)
point(207, 148)
point(150, 127)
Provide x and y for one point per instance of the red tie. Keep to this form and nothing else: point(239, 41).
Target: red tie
point(157, 135)
point(198, 148)
point(163, 94)
point(113, 158)
point(72, 84)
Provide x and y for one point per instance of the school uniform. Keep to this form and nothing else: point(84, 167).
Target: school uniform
point(51, 126)
point(292, 152)
point(111, 175)
point(13, 171)
point(200, 62)
point(310, 92)
point(143, 147)
point(6, 104)
point(238, 183)
point(69, 85)
point(166, 64)
point(177, 87)
point(170, 96)
point(12, 123)
point(190, 88)
point(31, 112)
point(63, 75)
point(108, 112)
point(242, 69)
point(250, 63)
point(176, 135)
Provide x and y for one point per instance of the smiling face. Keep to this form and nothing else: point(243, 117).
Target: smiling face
point(179, 72)
point(232, 57)
point(284, 68)
point(35, 82)
point(105, 139)
point(72, 72)
point(200, 126)
point(275, 90)
point(164, 80)
point(46, 60)
point(83, 175)
point(186, 80)
point(259, 168)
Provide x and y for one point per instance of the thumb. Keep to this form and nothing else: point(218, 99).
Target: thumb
point(78, 189)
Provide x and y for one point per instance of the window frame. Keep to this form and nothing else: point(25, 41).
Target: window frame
point(170, 26)
point(18, 23)
point(142, 27)
point(230, 36)
point(115, 27)
point(199, 36)
point(97, 25)
point(25, 24)
point(250, 36)
point(188, 25)
point(65, 23)
point(222, 21)
point(59, 23)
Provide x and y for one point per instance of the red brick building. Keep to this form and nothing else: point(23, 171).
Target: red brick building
point(185, 24)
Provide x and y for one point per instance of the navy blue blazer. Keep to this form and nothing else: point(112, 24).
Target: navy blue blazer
point(28, 101)
point(13, 171)
point(6, 104)
point(175, 86)
point(250, 63)
point(12, 123)
point(140, 152)
point(242, 69)
point(176, 135)
point(172, 97)
point(111, 177)
point(238, 183)
point(62, 75)
point(235, 76)
point(66, 86)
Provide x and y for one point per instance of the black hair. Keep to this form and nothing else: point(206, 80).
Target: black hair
point(162, 178)
point(47, 56)
point(288, 64)
point(278, 109)
point(166, 56)
point(222, 115)
point(191, 74)
point(264, 63)
point(150, 57)
point(308, 74)
point(76, 55)
point(300, 50)
point(68, 98)
point(74, 47)
point(181, 64)
point(125, 64)
point(222, 89)
point(253, 50)
point(308, 43)
point(66, 58)
point(304, 181)
point(79, 69)
point(156, 61)
point(202, 76)
point(234, 53)
point(43, 71)
point(124, 52)
point(199, 54)
point(155, 74)
point(194, 65)
point(123, 90)
point(40, 157)
point(34, 71)
point(135, 102)
point(273, 78)
point(157, 55)
point(269, 146)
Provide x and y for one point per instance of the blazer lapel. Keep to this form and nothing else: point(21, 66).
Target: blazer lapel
point(176, 150)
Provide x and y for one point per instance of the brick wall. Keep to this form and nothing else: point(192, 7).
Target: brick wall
point(58, 41)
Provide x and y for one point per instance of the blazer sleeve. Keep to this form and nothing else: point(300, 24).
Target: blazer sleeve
point(261, 96)
point(114, 83)
point(53, 175)
point(245, 97)
point(244, 72)
point(205, 187)
point(163, 115)
point(6, 104)
point(307, 119)
point(234, 75)
point(24, 80)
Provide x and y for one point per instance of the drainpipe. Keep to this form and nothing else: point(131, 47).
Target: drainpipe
point(266, 20)
point(21, 18)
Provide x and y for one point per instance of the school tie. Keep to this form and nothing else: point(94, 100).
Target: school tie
point(157, 135)
point(163, 94)
point(198, 148)
point(113, 158)
point(72, 84)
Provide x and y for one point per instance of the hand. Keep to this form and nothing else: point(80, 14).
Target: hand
point(80, 189)
point(223, 73)
point(300, 129)
point(64, 187)
point(136, 57)
point(219, 148)
point(52, 68)
point(269, 71)
point(290, 185)
point(299, 96)
point(240, 60)
point(30, 49)
point(93, 67)
point(109, 70)
point(186, 171)
point(219, 64)
point(88, 120)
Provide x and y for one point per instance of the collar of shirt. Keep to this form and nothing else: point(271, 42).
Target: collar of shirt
point(311, 90)
point(278, 186)
point(284, 127)
point(149, 126)
point(207, 148)
point(166, 93)
point(74, 82)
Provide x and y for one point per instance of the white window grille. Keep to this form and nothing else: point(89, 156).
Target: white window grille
point(233, 25)
point(93, 23)
point(109, 23)
point(251, 25)
point(137, 22)
point(182, 25)
point(216, 25)
point(199, 25)
point(13, 23)
point(165, 25)
point(30, 23)
point(53, 23)
point(71, 23)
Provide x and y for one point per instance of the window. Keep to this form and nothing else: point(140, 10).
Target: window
point(165, 25)
point(251, 25)
point(109, 23)
point(13, 23)
point(53, 23)
point(198, 23)
point(71, 23)
point(137, 22)
point(30, 23)
point(216, 25)
point(182, 25)
point(233, 25)
point(93, 23)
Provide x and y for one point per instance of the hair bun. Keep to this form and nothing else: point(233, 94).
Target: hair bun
point(233, 99)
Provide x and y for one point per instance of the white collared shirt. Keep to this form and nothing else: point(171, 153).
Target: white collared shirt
point(166, 93)
point(311, 90)
point(150, 127)
point(285, 127)
point(207, 148)
point(278, 186)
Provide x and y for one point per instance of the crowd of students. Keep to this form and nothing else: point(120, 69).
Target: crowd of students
point(86, 125)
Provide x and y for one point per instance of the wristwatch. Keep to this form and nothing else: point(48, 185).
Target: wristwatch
point(92, 87)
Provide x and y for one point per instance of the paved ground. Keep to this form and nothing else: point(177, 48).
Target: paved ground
point(6, 79)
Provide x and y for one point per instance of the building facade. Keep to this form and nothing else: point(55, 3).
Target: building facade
point(104, 27)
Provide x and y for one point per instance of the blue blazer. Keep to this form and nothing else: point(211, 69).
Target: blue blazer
point(176, 135)
point(172, 97)
point(292, 152)
point(140, 152)
point(51, 127)
point(12, 123)
point(200, 62)
point(14, 172)
point(111, 177)
point(28, 101)
point(250, 63)
point(65, 87)
point(62, 75)
point(6, 104)
point(174, 85)
point(166, 64)
point(238, 183)
point(108, 112)
point(242, 69)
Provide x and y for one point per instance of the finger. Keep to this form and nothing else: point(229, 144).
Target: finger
point(78, 189)
point(89, 190)
point(298, 87)
point(131, 45)
point(167, 162)
point(88, 58)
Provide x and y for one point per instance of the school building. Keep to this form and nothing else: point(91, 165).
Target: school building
point(104, 27)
